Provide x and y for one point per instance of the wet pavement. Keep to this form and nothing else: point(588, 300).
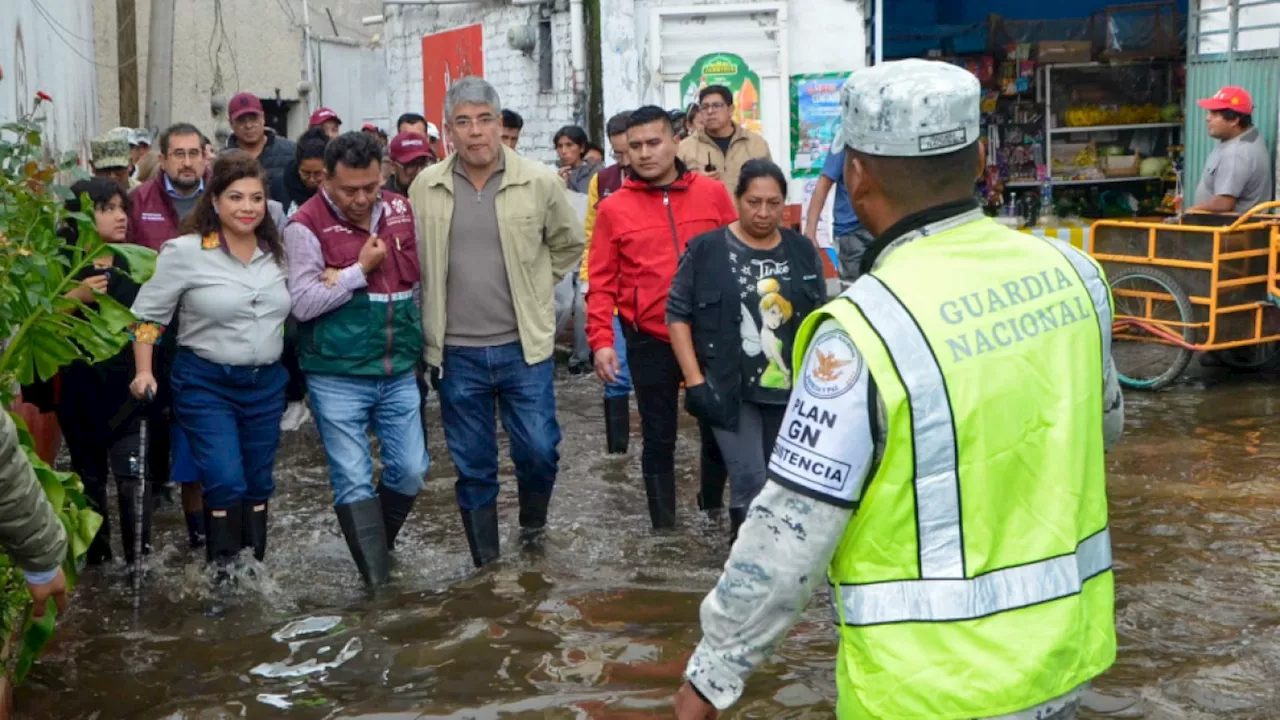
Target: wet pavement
point(599, 624)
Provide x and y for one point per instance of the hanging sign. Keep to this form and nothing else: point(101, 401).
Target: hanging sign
point(815, 119)
point(731, 71)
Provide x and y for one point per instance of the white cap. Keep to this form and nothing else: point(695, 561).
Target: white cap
point(909, 108)
point(139, 136)
point(433, 132)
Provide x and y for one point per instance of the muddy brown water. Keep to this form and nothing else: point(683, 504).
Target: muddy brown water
point(600, 623)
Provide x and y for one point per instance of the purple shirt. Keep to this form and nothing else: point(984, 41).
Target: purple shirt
point(311, 298)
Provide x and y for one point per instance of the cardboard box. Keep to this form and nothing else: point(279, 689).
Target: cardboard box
point(1065, 51)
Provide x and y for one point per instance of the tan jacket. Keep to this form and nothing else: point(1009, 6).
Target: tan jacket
point(541, 236)
point(699, 149)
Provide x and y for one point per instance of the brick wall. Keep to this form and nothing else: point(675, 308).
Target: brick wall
point(512, 73)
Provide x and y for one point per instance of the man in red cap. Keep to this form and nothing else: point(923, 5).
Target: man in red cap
point(410, 152)
point(1238, 174)
point(249, 132)
point(327, 119)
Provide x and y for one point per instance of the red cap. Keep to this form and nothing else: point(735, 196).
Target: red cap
point(370, 127)
point(1229, 98)
point(323, 114)
point(243, 104)
point(409, 146)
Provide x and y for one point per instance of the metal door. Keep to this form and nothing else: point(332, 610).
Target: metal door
point(353, 83)
point(1230, 42)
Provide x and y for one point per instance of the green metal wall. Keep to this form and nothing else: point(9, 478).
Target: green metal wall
point(1257, 71)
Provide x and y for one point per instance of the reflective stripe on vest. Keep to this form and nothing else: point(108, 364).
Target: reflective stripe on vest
point(393, 297)
point(937, 486)
point(943, 593)
point(996, 592)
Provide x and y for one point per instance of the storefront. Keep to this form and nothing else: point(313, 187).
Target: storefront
point(1089, 105)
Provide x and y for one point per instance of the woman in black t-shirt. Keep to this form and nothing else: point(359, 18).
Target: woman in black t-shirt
point(737, 299)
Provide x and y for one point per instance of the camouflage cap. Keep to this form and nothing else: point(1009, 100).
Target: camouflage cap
point(909, 108)
point(111, 150)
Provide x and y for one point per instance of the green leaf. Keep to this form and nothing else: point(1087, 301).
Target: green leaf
point(49, 351)
point(34, 638)
point(52, 485)
point(113, 314)
point(142, 260)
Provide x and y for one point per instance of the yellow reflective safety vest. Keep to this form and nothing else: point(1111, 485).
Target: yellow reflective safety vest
point(975, 577)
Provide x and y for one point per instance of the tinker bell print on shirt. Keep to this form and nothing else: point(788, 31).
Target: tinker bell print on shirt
point(775, 311)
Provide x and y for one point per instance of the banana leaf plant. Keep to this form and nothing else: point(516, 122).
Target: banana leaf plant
point(42, 330)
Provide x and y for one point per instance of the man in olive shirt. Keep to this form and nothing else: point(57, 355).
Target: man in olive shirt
point(496, 232)
point(1238, 174)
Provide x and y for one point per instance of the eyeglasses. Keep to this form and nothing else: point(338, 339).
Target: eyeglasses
point(484, 121)
point(713, 107)
point(185, 154)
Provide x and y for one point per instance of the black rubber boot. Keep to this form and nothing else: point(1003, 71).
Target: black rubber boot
point(481, 526)
point(395, 510)
point(617, 424)
point(225, 528)
point(362, 526)
point(713, 474)
point(195, 530)
point(661, 490)
point(95, 491)
point(533, 517)
point(254, 532)
point(128, 500)
point(737, 516)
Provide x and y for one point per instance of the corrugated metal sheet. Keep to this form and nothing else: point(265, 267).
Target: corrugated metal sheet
point(353, 83)
point(49, 47)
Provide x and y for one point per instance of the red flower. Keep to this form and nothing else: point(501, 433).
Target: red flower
point(42, 95)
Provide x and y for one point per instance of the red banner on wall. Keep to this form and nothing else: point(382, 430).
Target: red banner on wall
point(446, 57)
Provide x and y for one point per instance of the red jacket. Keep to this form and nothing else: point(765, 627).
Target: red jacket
point(153, 220)
point(640, 233)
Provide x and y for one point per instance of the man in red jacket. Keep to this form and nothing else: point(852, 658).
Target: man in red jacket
point(640, 233)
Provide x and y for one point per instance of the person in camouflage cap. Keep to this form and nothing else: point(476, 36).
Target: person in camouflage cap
point(942, 464)
point(111, 157)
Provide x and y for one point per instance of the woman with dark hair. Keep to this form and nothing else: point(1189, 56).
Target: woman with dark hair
point(225, 278)
point(571, 147)
point(737, 298)
point(98, 418)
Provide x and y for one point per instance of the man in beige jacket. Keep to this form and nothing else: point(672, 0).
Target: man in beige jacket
point(721, 147)
point(496, 232)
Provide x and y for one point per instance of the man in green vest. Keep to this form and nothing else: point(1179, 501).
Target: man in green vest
point(942, 454)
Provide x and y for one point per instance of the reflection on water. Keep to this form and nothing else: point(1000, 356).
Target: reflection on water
point(600, 622)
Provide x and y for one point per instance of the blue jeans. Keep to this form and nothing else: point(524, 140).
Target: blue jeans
point(182, 467)
point(471, 379)
point(622, 387)
point(230, 415)
point(343, 406)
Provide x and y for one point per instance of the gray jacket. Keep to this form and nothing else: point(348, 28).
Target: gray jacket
point(29, 531)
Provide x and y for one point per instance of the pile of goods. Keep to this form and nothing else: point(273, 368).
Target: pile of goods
point(1094, 115)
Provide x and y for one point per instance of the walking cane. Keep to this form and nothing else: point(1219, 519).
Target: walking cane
point(139, 499)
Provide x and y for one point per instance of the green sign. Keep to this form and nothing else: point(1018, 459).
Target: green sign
point(731, 71)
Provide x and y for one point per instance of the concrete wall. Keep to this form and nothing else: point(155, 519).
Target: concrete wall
point(257, 47)
point(50, 52)
point(514, 74)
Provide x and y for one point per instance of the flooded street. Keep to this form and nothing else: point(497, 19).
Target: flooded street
point(599, 624)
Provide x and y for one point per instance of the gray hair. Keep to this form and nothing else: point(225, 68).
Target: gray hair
point(470, 91)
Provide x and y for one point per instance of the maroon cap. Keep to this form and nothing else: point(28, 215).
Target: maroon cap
point(243, 104)
point(409, 146)
point(322, 115)
point(370, 127)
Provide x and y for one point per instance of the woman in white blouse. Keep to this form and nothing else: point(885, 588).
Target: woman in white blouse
point(225, 277)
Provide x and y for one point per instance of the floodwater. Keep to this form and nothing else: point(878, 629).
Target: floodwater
point(599, 625)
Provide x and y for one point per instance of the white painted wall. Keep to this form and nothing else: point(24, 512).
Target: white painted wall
point(52, 53)
point(512, 73)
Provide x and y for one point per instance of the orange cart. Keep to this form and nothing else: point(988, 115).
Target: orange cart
point(1206, 286)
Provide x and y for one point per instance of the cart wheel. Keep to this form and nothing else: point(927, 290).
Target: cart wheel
point(1251, 358)
point(1145, 360)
